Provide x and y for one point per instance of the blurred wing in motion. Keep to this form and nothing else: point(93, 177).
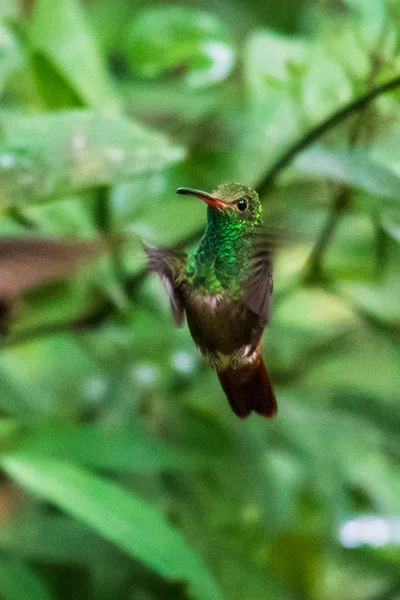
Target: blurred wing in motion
point(28, 262)
point(258, 288)
point(168, 265)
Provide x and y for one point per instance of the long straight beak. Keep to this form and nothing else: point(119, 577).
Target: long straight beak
point(205, 196)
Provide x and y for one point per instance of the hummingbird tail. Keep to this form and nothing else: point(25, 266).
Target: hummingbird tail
point(249, 389)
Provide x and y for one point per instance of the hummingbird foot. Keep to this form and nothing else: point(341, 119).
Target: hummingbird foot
point(236, 359)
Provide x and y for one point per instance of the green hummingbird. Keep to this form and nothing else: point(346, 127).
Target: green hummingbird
point(224, 286)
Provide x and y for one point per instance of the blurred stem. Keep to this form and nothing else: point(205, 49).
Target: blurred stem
point(314, 265)
point(102, 209)
point(342, 198)
point(104, 224)
point(381, 248)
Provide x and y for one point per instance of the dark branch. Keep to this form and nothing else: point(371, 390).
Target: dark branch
point(314, 134)
point(342, 198)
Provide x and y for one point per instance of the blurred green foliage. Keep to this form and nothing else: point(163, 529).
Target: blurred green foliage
point(125, 474)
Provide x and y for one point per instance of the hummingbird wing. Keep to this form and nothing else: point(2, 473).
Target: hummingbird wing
point(258, 288)
point(168, 264)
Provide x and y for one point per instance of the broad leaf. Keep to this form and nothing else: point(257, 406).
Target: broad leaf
point(61, 152)
point(131, 450)
point(172, 37)
point(120, 517)
point(44, 378)
point(355, 167)
point(60, 33)
point(373, 19)
point(10, 54)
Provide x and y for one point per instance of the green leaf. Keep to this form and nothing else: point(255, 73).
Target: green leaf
point(171, 37)
point(326, 85)
point(286, 56)
point(271, 84)
point(272, 89)
point(150, 219)
point(355, 372)
point(314, 312)
point(391, 225)
point(350, 255)
point(47, 377)
point(59, 31)
point(306, 322)
point(109, 23)
point(355, 168)
point(8, 428)
point(131, 450)
point(9, 8)
point(341, 41)
point(20, 582)
point(53, 89)
point(120, 517)
point(10, 54)
point(61, 152)
point(68, 216)
point(373, 19)
point(382, 300)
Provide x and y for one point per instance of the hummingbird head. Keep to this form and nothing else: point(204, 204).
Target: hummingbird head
point(231, 204)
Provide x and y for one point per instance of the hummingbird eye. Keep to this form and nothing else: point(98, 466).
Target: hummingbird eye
point(241, 204)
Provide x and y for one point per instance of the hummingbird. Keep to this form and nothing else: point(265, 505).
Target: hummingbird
point(224, 287)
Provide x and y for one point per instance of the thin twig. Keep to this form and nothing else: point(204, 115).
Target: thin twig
point(319, 130)
point(313, 269)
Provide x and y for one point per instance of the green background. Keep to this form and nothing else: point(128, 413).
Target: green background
point(124, 473)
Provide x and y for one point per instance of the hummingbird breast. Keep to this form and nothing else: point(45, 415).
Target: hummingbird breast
point(218, 323)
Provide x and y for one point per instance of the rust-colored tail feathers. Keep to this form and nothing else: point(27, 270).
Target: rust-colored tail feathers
point(249, 389)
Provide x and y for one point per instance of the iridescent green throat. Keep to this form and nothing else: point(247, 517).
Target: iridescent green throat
point(221, 260)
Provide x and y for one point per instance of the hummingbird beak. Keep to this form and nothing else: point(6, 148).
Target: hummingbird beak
point(207, 198)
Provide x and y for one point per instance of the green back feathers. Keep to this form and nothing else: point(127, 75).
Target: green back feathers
point(221, 260)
